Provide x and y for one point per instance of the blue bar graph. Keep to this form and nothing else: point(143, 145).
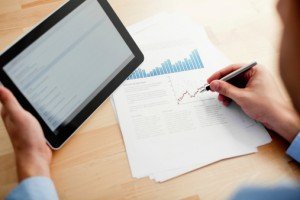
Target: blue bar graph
point(187, 64)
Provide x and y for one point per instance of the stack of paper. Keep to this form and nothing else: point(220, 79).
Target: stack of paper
point(168, 127)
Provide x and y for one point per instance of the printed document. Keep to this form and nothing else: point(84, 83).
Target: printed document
point(168, 127)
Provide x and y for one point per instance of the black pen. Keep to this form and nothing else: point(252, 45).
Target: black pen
point(230, 76)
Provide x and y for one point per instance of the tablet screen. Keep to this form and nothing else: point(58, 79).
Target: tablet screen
point(68, 65)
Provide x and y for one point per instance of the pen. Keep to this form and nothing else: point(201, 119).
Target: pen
point(230, 76)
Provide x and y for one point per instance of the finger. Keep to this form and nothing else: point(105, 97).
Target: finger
point(223, 98)
point(223, 72)
point(226, 103)
point(9, 102)
point(226, 89)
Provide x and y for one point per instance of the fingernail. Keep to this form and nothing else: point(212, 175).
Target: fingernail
point(1, 94)
point(220, 98)
point(215, 85)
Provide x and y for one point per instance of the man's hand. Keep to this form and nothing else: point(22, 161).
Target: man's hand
point(259, 97)
point(33, 156)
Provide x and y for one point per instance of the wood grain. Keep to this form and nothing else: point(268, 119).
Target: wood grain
point(93, 164)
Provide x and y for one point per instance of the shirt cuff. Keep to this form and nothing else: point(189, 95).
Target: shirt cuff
point(34, 188)
point(294, 149)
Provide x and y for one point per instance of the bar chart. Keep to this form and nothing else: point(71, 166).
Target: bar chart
point(191, 63)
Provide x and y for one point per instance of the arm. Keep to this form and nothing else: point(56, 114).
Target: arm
point(33, 156)
point(34, 188)
point(259, 97)
point(284, 192)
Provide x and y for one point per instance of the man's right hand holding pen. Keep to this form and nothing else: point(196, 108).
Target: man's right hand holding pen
point(256, 92)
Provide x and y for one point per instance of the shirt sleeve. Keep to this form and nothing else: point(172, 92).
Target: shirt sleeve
point(275, 193)
point(294, 149)
point(34, 188)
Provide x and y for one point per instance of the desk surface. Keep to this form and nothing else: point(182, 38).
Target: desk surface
point(93, 164)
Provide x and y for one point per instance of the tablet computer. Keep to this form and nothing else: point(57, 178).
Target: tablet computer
point(63, 69)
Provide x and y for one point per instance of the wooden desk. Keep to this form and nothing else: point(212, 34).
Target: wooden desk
point(93, 164)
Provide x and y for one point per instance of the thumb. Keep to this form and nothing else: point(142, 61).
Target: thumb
point(226, 89)
point(9, 102)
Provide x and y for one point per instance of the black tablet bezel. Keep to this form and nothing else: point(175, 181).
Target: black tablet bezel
point(64, 131)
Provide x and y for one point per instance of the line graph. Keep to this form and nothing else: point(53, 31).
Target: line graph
point(188, 94)
point(187, 86)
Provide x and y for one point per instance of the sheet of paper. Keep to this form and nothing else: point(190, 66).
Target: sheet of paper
point(167, 126)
